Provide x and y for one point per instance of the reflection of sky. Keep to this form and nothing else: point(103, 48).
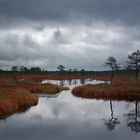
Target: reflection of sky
point(75, 82)
point(68, 117)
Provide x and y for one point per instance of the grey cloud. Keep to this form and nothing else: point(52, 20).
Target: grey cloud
point(65, 48)
point(75, 33)
point(86, 47)
point(121, 11)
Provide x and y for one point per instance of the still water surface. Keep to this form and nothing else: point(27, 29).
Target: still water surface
point(64, 116)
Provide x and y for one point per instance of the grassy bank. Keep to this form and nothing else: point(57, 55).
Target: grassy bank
point(128, 92)
point(124, 87)
point(31, 83)
point(14, 100)
point(16, 92)
point(35, 87)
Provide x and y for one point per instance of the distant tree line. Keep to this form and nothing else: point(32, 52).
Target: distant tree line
point(25, 69)
point(132, 67)
point(62, 70)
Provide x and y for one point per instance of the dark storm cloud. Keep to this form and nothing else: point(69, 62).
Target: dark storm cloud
point(123, 11)
point(75, 33)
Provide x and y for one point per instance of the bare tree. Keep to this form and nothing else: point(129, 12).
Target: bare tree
point(15, 68)
point(61, 68)
point(134, 62)
point(113, 65)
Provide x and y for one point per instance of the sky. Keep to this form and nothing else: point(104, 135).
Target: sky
point(78, 34)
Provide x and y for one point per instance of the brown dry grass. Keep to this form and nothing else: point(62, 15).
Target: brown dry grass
point(31, 82)
point(118, 79)
point(35, 87)
point(123, 88)
point(40, 77)
point(14, 100)
point(15, 94)
point(108, 92)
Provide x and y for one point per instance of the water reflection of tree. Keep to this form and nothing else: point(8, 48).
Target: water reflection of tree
point(75, 82)
point(113, 121)
point(82, 81)
point(132, 120)
point(62, 82)
point(69, 82)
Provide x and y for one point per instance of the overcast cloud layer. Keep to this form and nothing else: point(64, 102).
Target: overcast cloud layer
point(75, 33)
